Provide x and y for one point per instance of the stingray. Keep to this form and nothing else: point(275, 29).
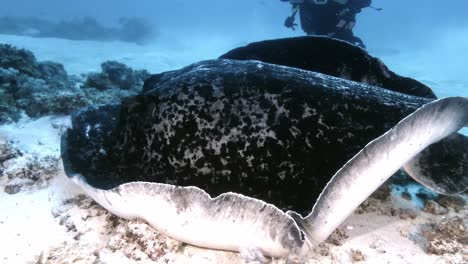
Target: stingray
point(238, 154)
point(332, 57)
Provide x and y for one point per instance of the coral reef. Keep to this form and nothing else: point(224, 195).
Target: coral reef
point(116, 75)
point(45, 88)
point(37, 88)
point(21, 60)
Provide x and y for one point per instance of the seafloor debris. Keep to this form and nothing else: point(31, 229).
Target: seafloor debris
point(357, 255)
point(375, 203)
point(32, 172)
point(372, 205)
point(113, 238)
point(383, 192)
point(408, 214)
point(379, 246)
point(68, 252)
point(403, 232)
point(7, 152)
point(136, 240)
point(337, 236)
point(454, 202)
point(448, 236)
point(432, 207)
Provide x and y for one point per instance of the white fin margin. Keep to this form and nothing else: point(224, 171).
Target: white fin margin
point(229, 222)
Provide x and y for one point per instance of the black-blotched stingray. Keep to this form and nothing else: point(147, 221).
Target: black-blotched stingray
point(227, 154)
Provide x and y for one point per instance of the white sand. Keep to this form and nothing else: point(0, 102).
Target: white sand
point(40, 224)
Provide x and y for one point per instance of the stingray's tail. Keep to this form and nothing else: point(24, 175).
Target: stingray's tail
point(380, 159)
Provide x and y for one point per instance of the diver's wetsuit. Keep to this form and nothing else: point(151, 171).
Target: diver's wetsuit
point(335, 19)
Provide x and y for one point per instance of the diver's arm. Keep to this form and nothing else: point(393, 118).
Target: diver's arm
point(289, 22)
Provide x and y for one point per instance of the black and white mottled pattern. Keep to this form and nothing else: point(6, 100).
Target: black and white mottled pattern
point(443, 167)
point(215, 153)
point(266, 131)
point(232, 221)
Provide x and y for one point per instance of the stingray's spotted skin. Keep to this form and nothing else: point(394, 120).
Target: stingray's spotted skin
point(330, 56)
point(232, 221)
point(266, 131)
point(214, 153)
point(443, 167)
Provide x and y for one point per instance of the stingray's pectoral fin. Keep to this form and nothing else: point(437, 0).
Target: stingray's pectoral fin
point(230, 221)
point(380, 159)
point(443, 166)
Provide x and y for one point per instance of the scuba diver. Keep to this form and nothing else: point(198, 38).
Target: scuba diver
point(332, 18)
